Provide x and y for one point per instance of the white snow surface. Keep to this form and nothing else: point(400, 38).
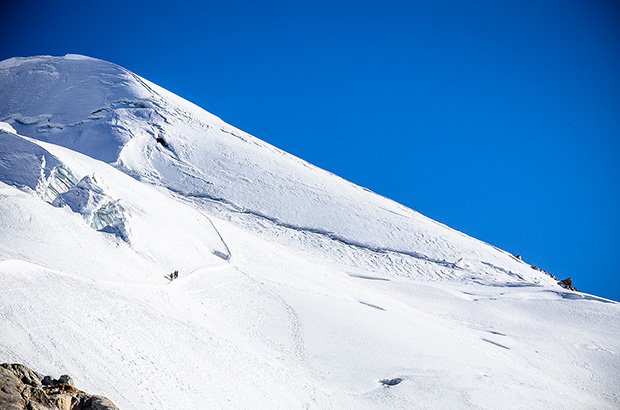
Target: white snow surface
point(297, 289)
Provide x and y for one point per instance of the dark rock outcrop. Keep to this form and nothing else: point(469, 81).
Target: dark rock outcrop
point(24, 389)
point(568, 284)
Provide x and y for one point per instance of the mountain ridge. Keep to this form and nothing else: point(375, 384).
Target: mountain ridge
point(274, 187)
point(296, 288)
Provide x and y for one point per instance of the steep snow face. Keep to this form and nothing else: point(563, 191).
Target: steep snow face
point(113, 115)
point(297, 289)
point(164, 235)
point(26, 165)
point(23, 163)
point(63, 100)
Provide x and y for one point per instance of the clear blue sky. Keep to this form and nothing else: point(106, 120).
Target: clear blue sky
point(498, 118)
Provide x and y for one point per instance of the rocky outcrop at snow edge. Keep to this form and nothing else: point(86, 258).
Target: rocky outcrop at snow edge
point(24, 389)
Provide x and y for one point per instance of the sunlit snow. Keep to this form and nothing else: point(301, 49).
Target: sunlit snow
point(297, 289)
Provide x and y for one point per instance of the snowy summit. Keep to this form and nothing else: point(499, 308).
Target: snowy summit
point(295, 289)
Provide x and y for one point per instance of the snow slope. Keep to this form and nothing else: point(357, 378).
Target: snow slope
point(297, 288)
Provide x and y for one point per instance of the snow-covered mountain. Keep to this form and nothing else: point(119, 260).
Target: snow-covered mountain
point(296, 289)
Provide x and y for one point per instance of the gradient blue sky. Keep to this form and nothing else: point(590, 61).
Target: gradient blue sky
point(498, 118)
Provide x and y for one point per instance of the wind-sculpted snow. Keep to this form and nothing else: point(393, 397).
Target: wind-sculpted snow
point(296, 288)
point(23, 163)
point(111, 114)
point(57, 100)
point(125, 208)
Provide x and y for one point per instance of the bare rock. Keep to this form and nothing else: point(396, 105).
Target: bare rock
point(47, 381)
point(568, 284)
point(65, 379)
point(24, 389)
point(99, 403)
point(26, 375)
point(10, 391)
